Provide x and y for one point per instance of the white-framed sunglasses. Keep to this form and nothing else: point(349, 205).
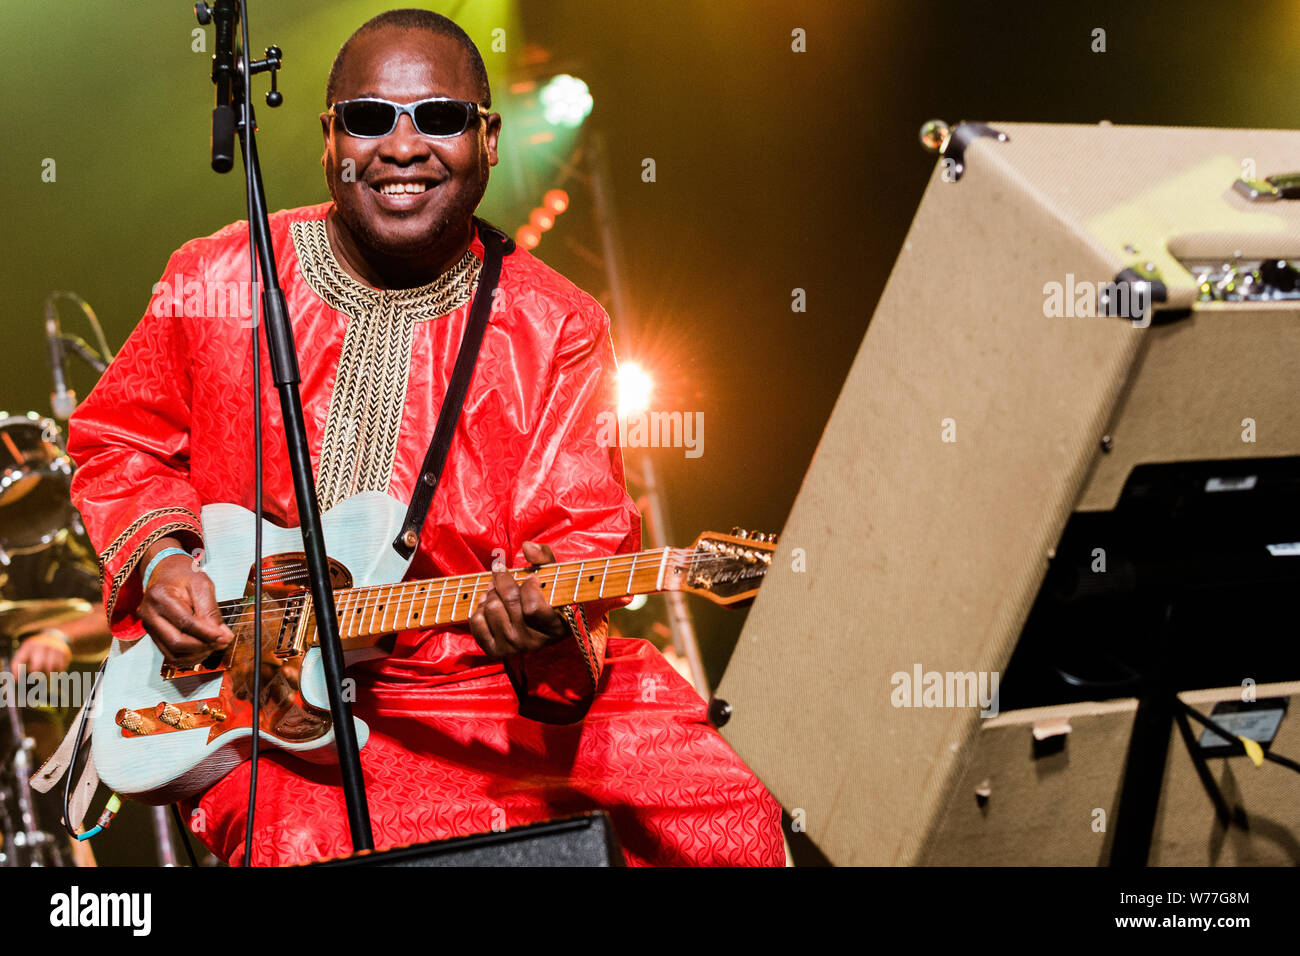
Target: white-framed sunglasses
point(439, 116)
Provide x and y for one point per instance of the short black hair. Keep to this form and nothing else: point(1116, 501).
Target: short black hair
point(414, 19)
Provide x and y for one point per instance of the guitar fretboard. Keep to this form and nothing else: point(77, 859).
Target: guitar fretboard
point(382, 609)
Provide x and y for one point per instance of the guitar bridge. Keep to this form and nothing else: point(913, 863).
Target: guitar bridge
point(214, 663)
point(293, 623)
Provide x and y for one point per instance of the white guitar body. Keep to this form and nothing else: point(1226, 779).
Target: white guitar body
point(167, 767)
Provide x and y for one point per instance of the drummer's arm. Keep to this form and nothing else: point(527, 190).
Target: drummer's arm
point(89, 635)
point(54, 648)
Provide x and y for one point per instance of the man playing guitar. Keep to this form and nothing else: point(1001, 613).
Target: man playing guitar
point(532, 713)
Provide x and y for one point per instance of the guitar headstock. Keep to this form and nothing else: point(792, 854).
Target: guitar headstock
point(728, 568)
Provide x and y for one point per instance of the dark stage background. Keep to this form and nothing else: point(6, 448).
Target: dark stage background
point(775, 170)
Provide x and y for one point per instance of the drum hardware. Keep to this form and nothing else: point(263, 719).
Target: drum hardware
point(58, 343)
point(35, 470)
point(35, 513)
point(22, 841)
point(162, 834)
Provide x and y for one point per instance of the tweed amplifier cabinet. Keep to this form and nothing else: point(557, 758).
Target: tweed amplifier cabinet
point(1041, 788)
point(1070, 302)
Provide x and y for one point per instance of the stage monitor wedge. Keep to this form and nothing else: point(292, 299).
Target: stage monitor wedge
point(988, 401)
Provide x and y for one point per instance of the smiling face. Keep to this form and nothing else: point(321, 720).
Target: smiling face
point(406, 196)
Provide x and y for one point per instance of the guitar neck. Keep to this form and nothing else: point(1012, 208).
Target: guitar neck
point(367, 613)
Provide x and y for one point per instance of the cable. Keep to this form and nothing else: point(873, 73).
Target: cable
point(1244, 744)
point(1221, 809)
point(246, 141)
point(185, 834)
point(105, 819)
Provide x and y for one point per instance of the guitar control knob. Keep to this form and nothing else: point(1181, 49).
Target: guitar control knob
point(131, 721)
point(173, 716)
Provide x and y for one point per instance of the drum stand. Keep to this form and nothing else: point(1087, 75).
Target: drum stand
point(25, 844)
point(162, 834)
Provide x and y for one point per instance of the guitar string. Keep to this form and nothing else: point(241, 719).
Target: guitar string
point(480, 587)
point(619, 563)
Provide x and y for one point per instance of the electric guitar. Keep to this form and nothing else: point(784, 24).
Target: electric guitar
point(176, 731)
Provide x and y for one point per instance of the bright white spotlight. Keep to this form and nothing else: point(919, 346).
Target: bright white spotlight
point(634, 387)
point(566, 101)
point(637, 603)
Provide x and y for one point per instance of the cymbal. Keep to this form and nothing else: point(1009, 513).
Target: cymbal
point(19, 617)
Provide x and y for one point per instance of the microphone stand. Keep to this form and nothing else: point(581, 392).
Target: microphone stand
point(233, 113)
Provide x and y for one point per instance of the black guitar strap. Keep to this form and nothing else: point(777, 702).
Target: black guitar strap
point(496, 246)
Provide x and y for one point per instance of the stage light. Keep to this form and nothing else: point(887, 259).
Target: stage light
point(556, 200)
point(636, 603)
point(527, 237)
point(541, 219)
point(634, 387)
point(566, 101)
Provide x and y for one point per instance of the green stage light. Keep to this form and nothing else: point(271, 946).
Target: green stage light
point(566, 101)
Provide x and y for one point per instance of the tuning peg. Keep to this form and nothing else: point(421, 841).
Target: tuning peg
point(738, 532)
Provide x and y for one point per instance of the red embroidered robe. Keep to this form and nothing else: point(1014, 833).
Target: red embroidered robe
point(452, 749)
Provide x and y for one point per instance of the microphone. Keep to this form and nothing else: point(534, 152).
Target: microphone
point(63, 400)
point(224, 75)
point(81, 348)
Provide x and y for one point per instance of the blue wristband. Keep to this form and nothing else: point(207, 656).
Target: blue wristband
point(164, 553)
